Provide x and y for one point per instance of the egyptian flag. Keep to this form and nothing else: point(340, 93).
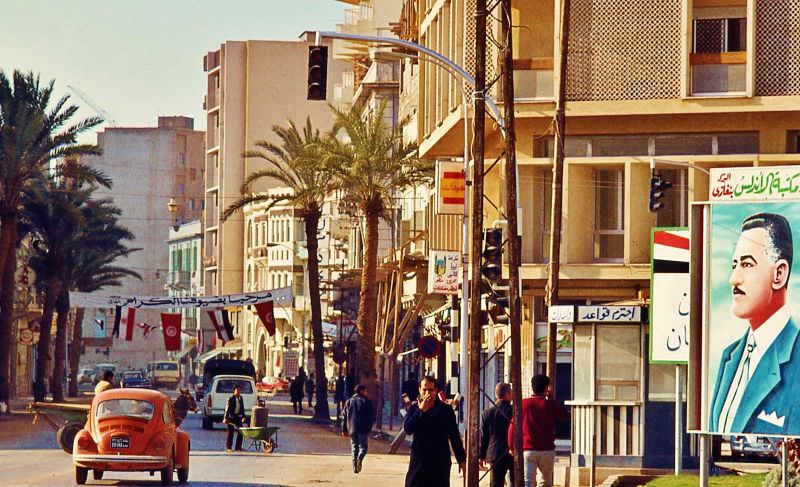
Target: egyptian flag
point(117, 319)
point(266, 313)
point(671, 252)
point(171, 327)
point(130, 322)
point(146, 328)
point(219, 317)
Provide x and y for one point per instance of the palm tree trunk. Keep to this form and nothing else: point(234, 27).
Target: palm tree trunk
point(60, 353)
point(75, 352)
point(8, 261)
point(311, 220)
point(43, 347)
point(368, 297)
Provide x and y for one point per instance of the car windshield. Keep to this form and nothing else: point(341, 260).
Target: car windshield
point(226, 386)
point(134, 374)
point(133, 408)
point(166, 366)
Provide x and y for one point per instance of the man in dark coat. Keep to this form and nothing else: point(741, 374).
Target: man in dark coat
point(234, 415)
point(296, 394)
point(494, 437)
point(359, 415)
point(433, 424)
point(309, 385)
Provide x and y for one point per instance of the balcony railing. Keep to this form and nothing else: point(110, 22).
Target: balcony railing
point(533, 78)
point(719, 73)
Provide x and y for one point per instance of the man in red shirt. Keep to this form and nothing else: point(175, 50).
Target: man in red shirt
point(539, 416)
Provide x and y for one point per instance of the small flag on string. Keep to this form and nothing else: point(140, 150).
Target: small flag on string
point(146, 328)
point(117, 319)
point(130, 323)
point(266, 313)
point(219, 318)
point(171, 327)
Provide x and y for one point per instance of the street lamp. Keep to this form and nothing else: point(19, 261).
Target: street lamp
point(174, 207)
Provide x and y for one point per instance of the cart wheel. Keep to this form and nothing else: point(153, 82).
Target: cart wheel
point(268, 446)
point(65, 435)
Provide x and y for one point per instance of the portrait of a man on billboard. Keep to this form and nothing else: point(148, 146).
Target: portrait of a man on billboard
point(754, 350)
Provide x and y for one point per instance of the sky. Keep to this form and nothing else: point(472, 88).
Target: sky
point(138, 59)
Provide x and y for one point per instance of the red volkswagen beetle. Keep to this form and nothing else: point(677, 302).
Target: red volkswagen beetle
point(131, 430)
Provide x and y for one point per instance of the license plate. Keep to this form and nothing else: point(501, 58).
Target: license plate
point(122, 442)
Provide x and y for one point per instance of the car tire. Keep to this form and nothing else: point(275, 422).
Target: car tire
point(183, 474)
point(97, 474)
point(65, 436)
point(166, 472)
point(81, 474)
point(207, 423)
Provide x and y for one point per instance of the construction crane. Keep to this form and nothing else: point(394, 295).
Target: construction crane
point(97, 109)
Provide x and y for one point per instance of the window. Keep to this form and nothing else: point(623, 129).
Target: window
point(226, 386)
point(192, 174)
point(618, 362)
point(793, 142)
point(166, 413)
point(609, 225)
point(720, 35)
point(675, 212)
point(653, 145)
point(181, 158)
point(132, 408)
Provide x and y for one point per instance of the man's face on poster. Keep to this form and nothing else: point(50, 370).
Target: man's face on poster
point(756, 273)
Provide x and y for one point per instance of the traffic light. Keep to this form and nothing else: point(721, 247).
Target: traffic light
point(500, 302)
point(317, 72)
point(492, 255)
point(657, 188)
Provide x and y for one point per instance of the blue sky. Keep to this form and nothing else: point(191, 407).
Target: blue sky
point(138, 59)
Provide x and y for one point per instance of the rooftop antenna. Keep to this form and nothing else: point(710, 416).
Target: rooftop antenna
point(94, 106)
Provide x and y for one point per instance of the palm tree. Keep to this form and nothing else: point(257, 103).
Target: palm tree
point(32, 133)
point(371, 166)
point(297, 164)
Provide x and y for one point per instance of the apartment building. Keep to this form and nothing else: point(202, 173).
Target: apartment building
point(252, 85)
point(691, 85)
point(158, 183)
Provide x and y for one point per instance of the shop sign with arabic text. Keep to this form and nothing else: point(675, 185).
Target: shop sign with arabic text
point(443, 272)
point(755, 183)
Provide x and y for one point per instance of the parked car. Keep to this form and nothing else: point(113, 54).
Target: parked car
point(164, 373)
point(756, 446)
point(131, 430)
point(134, 378)
point(218, 392)
point(86, 375)
point(100, 369)
point(273, 384)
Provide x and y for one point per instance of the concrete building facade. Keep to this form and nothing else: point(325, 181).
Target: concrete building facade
point(150, 166)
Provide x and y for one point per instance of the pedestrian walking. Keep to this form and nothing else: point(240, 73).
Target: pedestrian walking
point(107, 382)
point(183, 404)
point(495, 422)
point(539, 415)
point(433, 424)
point(357, 421)
point(338, 394)
point(309, 385)
point(233, 417)
point(296, 394)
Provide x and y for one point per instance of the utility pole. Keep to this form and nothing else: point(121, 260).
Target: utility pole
point(551, 291)
point(513, 239)
point(473, 405)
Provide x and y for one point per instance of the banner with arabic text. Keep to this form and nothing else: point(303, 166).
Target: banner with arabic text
point(91, 300)
point(755, 183)
point(669, 296)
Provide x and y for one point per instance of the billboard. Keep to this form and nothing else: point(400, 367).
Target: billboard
point(669, 296)
point(751, 346)
point(443, 271)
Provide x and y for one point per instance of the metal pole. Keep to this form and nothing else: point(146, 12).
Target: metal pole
point(463, 317)
point(678, 419)
point(704, 464)
point(514, 250)
point(551, 290)
point(785, 463)
point(473, 410)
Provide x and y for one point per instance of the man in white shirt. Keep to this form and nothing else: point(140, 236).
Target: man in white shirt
point(758, 380)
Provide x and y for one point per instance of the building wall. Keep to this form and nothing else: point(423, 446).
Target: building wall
point(148, 165)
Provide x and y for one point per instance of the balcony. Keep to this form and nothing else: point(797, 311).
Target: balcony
point(179, 279)
point(533, 78)
point(719, 73)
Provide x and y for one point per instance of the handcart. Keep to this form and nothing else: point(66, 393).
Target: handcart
point(261, 438)
point(70, 419)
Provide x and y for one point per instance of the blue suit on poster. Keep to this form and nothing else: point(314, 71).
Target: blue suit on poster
point(771, 395)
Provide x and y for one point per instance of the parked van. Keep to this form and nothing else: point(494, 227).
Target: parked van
point(101, 369)
point(164, 373)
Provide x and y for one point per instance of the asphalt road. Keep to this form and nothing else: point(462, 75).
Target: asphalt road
point(307, 454)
